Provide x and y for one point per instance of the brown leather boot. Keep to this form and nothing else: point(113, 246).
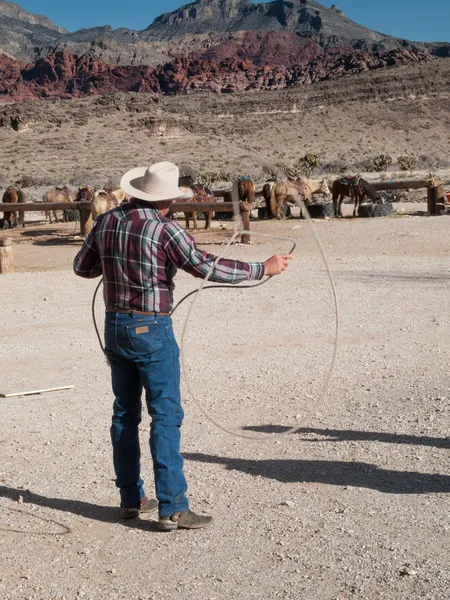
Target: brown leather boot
point(144, 506)
point(184, 520)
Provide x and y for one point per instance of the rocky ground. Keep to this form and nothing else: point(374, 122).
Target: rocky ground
point(353, 506)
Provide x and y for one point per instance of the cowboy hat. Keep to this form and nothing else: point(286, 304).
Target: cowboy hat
point(156, 183)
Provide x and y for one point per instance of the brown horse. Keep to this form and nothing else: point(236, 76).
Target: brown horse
point(246, 189)
point(267, 192)
point(10, 220)
point(102, 203)
point(118, 194)
point(85, 194)
point(352, 187)
point(201, 194)
point(59, 196)
point(291, 191)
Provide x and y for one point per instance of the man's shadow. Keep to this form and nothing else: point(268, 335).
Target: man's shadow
point(340, 435)
point(104, 514)
point(341, 473)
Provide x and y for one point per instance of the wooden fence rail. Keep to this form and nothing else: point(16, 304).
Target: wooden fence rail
point(86, 218)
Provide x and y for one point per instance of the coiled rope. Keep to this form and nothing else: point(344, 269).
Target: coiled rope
point(196, 294)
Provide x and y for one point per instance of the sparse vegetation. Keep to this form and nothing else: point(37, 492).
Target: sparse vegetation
point(292, 171)
point(407, 163)
point(308, 163)
point(381, 162)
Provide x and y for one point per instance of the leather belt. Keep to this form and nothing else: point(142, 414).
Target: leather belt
point(125, 311)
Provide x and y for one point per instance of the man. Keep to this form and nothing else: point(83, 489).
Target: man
point(138, 249)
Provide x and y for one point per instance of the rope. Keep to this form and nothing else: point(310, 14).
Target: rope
point(196, 294)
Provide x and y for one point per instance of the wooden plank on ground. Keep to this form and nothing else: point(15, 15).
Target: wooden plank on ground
point(36, 392)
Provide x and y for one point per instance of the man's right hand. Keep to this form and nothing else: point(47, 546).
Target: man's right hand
point(277, 264)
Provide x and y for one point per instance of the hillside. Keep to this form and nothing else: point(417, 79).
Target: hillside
point(398, 111)
point(21, 31)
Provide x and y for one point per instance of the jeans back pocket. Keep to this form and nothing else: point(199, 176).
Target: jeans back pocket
point(144, 337)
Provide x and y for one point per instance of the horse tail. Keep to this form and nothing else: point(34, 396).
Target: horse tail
point(242, 191)
point(251, 192)
point(368, 189)
point(273, 202)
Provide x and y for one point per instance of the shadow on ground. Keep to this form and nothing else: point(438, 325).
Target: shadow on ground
point(341, 435)
point(104, 514)
point(353, 474)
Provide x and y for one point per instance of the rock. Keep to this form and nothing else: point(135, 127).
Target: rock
point(64, 75)
point(287, 503)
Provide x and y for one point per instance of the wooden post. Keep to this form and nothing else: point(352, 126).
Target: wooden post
point(431, 199)
point(6, 257)
point(439, 200)
point(86, 221)
point(245, 214)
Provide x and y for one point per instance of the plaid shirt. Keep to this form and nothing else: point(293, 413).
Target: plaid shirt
point(138, 251)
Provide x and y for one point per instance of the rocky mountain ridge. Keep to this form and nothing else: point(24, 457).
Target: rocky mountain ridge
point(198, 26)
point(63, 75)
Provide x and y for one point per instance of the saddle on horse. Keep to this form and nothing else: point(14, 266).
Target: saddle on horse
point(350, 180)
point(64, 191)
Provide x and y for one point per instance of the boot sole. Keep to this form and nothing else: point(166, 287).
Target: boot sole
point(133, 513)
point(173, 526)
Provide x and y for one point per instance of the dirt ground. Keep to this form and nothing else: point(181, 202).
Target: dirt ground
point(347, 122)
point(353, 506)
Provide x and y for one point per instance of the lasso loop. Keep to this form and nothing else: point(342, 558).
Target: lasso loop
point(196, 293)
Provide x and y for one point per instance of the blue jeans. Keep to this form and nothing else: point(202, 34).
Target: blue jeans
point(143, 354)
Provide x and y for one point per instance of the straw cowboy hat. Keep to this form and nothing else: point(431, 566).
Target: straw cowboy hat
point(156, 183)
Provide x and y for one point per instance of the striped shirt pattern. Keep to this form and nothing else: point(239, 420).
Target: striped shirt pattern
point(138, 252)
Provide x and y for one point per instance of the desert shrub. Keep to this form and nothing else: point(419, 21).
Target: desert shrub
point(308, 163)
point(407, 163)
point(292, 171)
point(381, 162)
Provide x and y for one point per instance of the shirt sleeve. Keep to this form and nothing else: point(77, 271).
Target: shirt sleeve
point(87, 262)
point(182, 251)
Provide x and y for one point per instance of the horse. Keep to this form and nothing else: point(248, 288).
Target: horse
point(14, 196)
point(102, 203)
point(352, 187)
point(85, 194)
point(118, 194)
point(201, 194)
point(58, 195)
point(246, 189)
point(291, 191)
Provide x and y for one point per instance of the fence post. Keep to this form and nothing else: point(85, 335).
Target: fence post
point(431, 199)
point(439, 199)
point(245, 214)
point(6, 257)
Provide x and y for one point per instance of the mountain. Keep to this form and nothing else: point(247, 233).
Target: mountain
point(21, 31)
point(197, 28)
point(217, 46)
point(63, 75)
point(306, 18)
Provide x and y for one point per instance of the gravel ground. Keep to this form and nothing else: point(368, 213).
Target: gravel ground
point(353, 506)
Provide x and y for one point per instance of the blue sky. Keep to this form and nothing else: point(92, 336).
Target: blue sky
point(412, 19)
